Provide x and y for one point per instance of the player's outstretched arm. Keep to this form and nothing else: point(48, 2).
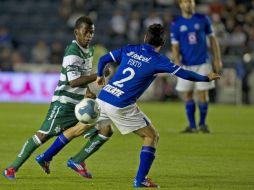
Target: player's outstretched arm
point(104, 60)
point(82, 81)
point(192, 76)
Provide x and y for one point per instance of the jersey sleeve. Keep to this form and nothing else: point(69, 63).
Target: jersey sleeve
point(104, 60)
point(112, 56)
point(116, 55)
point(208, 26)
point(167, 66)
point(72, 65)
point(174, 34)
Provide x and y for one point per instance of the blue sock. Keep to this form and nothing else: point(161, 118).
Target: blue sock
point(146, 159)
point(190, 109)
point(203, 107)
point(59, 143)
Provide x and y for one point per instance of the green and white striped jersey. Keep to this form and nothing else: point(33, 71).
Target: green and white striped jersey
point(77, 62)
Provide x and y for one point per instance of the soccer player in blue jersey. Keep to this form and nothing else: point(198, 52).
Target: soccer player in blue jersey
point(138, 67)
point(189, 33)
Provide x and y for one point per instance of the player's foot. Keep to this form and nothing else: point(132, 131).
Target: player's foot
point(204, 128)
point(44, 164)
point(146, 183)
point(80, 168)
point(189, 130)
point(10, 173)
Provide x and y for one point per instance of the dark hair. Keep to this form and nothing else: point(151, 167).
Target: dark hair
point(83, 20)
point(155, 35)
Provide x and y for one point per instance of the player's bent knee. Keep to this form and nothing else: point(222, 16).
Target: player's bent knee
point(43, 137)
point(157, 137)
point(106, 131)
point(152, 138)
point(188, 96)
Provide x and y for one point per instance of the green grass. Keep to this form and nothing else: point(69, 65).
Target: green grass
point(222, 160)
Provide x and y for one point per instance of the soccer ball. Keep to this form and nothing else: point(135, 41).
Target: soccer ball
point(87, 111)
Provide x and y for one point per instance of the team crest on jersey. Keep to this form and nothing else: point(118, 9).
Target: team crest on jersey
point(183, 28)
point(58, 129)
point(192, 38)
point(197, 26)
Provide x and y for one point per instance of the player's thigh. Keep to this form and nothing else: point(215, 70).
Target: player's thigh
point(127, 119)
point(59, 118)
point(103, 121)
point(204, 69)
point(184, 85)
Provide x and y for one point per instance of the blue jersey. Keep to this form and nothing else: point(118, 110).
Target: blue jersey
point(138, 66)
point(190, 34)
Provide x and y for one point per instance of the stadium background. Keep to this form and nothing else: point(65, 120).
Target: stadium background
point(34, 34)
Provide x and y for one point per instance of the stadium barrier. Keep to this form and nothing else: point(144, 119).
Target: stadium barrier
point(27, 87)
point(39, 87)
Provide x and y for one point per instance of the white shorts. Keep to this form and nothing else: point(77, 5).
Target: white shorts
point(185, 85)
point(127, 119)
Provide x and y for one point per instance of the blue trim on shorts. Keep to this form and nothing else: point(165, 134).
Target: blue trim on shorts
point(147, 122)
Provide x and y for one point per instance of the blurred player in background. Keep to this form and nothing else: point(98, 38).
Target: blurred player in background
point(73, 84)
point(189, 33)
point(138, 67)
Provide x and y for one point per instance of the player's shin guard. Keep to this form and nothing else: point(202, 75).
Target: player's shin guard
point(58, 144)
point(27, 149)
point(147, 156)
point(190, 109)
point(203, 108)
point(91, 146)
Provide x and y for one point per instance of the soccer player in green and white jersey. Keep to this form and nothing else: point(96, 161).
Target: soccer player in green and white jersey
point(72, 86)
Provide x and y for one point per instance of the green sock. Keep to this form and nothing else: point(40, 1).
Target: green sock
point(27, 149)
point(91, 133)
point(91, 146)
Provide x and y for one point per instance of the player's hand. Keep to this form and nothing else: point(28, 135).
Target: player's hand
point(90, 94)
point(100, 81)
point(107, 72)
point(213, 76)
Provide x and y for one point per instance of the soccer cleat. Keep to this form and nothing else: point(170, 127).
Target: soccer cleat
point(189, 130)
point(44, 164)
point(10, 173)
point(80, 168)
point(146, 183)
point(204, 128)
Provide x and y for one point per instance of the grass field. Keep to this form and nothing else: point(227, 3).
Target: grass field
point(222, 160)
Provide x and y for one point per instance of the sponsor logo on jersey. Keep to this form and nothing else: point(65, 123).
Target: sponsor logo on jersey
point(197, 26)
point(113, 90)
point(183, 28)
point(138, 57)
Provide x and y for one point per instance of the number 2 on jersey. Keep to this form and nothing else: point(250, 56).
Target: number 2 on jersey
point(131, 72)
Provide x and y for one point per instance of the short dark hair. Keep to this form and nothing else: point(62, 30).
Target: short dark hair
point(155, 35)
point(83, 20)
